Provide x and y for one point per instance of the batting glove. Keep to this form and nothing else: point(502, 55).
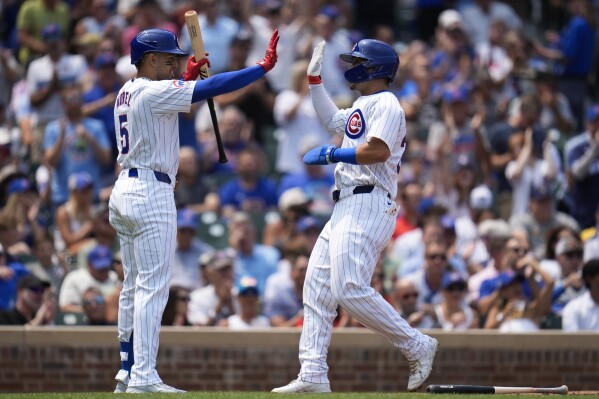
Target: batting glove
point(270, 59)
point(316, 64)
point(193, 67)
point(321, 155)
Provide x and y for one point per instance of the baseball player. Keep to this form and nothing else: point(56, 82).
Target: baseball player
point(363, 219)
point(142, 204)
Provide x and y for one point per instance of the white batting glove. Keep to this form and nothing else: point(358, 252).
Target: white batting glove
point(316, 64)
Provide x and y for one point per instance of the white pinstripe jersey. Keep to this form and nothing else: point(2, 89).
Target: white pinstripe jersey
point(147, 123)
point(378, 115)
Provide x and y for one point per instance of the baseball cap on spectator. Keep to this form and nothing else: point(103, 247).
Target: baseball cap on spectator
point(566, 246)
point(307, 223)
point(330, 11)
point(447, 222)
point(88, 39)
point(80, 181)
point(450, 19)
point(31, 281)
point(481, 198)
point(453, 278)
point(455, 95)
point(494, 229)
point(51, 32)
point(541, 192)
point(463, 161)
point(593, 112)
point(100, 257)
point(247, 286)
point(217, 259)
point(291, 198)
point(105, 59)
point(186, 218)
point(18, 185)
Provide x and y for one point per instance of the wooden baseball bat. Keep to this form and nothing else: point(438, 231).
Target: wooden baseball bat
point(197, 44)
point(485, 389)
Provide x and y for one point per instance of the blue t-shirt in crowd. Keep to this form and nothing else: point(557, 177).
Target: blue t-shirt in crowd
point(261, 264)
point(577, 42)
point(8, 288)
point(77, 155)
point(104, 114)
point(233, 193)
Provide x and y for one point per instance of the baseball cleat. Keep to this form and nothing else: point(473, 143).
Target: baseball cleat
point(421, 368)
point(299, 386)
point(122, 379)
point(160, 387)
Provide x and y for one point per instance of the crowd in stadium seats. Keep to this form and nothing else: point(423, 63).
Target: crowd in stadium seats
point(498, 188)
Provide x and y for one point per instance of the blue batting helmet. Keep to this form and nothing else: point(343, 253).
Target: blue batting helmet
point(154, 41)
point(380, 61)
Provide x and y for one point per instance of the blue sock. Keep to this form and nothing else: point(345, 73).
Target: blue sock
point(127, 360)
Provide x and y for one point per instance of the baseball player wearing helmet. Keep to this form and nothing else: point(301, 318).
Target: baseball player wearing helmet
point(142, 204)
point(363, 219)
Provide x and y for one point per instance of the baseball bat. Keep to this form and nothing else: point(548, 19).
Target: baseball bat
point(197, 44)
point(486, 389)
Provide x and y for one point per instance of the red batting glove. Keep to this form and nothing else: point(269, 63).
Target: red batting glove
point(270, 59)
point(193, 67)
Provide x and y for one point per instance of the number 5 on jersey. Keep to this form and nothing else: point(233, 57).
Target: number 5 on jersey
point(124, 134)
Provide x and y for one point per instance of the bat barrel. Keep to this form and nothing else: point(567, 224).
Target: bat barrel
point(480, 389)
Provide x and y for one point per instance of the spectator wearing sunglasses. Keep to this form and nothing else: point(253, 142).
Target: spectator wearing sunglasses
point(94, 307)
point(428, 279)
point(566, 272)
point(405, 299)
point(175, 312)
point(33, 307)
point(454, 313)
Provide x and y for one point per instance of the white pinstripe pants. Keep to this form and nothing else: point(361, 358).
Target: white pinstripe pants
point(339, 273)
point(142, 211)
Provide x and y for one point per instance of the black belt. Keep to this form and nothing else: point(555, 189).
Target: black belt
point(163, 177)
point(357, 190)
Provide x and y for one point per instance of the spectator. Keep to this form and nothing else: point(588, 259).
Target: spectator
point(251, 190)
point(526, 169)
point(251, 259)
point(567, 274)
point(94, 307)
point(103, 233)
point(97, 274)
point(554, 235)
point(428, 279)
point(582, 169)
point(32, 20)
point(10, 274)
point(541, 218)
point(310, 227)
point(47, 77)
point(213, 302)
point(283, 291)
point(74, 218)
point(193, 190)
point(186, 273)
point(453, 313)
point(33, 307)
point(479, 14)
point(293, 205)
point(46, 264)
point(405, 296)
point(408, 198)
point(515, 311)
point(74, 144)
point(568, 51)
point(297, 121)
point(102, 21)
point(248, 316)
point(175, 312)
point(112, 300)
point(582, 313)
point(453, 185)
point(218, 31)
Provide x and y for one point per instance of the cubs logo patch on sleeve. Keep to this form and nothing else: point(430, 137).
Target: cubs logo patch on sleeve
point(355, 126)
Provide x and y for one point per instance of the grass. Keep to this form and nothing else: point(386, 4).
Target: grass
point(261, 395)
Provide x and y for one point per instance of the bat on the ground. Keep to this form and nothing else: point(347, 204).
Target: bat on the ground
point(197, 44)
point(484, 389)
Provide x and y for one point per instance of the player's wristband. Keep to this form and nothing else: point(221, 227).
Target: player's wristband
point(347, 155)
point(314, 80)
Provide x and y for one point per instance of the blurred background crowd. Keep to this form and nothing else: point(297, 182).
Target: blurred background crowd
point(498, 188)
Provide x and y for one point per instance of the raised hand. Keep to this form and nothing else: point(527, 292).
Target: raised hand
point(316, 63)
point(193, 67)
point(270, 59)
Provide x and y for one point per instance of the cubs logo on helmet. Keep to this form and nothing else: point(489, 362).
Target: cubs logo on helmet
point(355, 126)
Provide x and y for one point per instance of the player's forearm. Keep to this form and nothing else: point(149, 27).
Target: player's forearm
point(226, 82)
point(324, 106)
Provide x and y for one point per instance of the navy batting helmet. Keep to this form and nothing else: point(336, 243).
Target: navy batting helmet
point(380, 61)
point(154, 41)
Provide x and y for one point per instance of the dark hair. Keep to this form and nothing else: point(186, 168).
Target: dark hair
point(590, 270)
point(553, 237)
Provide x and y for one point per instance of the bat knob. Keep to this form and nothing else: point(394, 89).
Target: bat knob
point(223, 160)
